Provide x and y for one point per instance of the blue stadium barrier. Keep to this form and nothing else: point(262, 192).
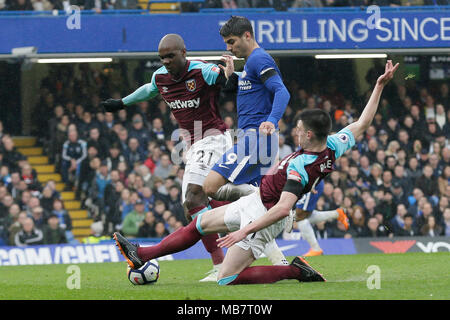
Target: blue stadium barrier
point(113, 31)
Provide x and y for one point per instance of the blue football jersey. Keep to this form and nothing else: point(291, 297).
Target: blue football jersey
point(254, 100)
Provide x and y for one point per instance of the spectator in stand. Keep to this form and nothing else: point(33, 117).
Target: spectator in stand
point(159, 209)
point(164, 168)
point(386, 206)
point(408, 229)
point(46, 199)
point(357, 226)
point(97, 191)
point(427, 182)
point(374, 229)
point(160, 230)
point(134, 153)
point(134, 220)
point(14, 186)
point(114, 157)
point(64, 220)
point(29, 176)
point(96, 234)
point(74, 152)
point(174, 204)
point(20, 5)
point(439, 211)
point(11, 218)
point(157, 133)
point(423, 214)
point(147, 229)
point(53, 233)
point(338, 230)
point(87, 172)
point(172, 224)
point(113, 213)
point(28, 235)
point(139, 130)
point(15, 227)
point(444, 180)
point(99, 142)
point(399, 196)
point(86, 124)
point(283, 148)
point(446, 222)
point(398, 221)
point(39, 216)
point(59, 137)
point(441, 117)
point(11, 156)
point(430, 228)
point(153, 156)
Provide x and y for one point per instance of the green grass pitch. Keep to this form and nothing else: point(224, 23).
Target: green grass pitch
point(402, 276)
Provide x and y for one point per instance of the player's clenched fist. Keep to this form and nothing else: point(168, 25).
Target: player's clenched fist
point(112, 105)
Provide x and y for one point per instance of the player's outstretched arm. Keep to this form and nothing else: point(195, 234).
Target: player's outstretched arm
point(142, 93)
point(364, 121)
point(274, 83)
point(276, 213)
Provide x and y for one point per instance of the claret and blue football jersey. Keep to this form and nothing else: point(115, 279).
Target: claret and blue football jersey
point(305, 167)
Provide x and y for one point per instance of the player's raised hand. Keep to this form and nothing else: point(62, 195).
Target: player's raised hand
point(389, 71)
point(267, 128)
point(228, 69)
point(112, 105)
point(231, 238)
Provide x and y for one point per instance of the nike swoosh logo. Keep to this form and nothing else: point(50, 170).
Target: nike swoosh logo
point(222, 166)
point(282, 249)
point(307, 270)
point(131, 254)
point(288, 247)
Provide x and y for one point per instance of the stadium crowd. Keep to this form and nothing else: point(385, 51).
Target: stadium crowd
point(394, 182)
point(279, 5)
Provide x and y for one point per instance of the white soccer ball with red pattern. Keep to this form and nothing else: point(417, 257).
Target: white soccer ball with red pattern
point(147, 274)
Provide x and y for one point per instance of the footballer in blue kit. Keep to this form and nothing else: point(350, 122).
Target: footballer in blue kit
point(261, 101)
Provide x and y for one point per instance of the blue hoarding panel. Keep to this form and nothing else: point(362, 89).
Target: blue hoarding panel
point(107, 252)
point(306, 30)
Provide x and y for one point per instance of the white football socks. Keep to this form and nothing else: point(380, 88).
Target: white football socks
point(274, 254)
point(319, 216)
point(307, 233)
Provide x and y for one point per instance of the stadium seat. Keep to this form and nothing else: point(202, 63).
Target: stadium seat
point(164, 7)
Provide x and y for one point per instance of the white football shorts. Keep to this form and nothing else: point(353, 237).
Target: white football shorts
point(245, 210)
point(202, 156)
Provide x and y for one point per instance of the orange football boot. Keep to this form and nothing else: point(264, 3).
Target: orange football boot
point(342, 218)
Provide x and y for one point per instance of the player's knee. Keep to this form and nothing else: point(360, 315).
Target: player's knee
point(195, 197)
point(210, 188)
point(212, 183)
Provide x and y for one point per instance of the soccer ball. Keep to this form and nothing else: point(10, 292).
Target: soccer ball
point(147, 274)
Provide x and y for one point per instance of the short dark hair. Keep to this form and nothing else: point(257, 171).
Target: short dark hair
point(318, 121)
point(236, 26)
